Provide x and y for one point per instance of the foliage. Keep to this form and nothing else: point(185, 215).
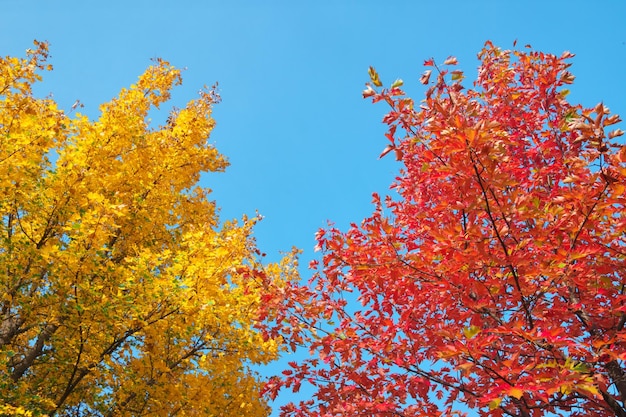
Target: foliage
point(495, 281)
point(121, 293)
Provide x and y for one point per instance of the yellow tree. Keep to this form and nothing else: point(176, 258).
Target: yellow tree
point(121, 294)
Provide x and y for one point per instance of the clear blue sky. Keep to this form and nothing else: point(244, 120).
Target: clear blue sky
point(302, 143)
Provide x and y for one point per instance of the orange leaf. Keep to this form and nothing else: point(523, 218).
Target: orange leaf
point(515, 392)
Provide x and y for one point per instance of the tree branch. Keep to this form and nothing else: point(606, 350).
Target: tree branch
point(29, 358)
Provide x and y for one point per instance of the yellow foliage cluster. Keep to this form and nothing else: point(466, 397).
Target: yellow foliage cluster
point(121, 294)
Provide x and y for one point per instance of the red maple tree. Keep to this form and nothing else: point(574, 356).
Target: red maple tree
point(495, 283)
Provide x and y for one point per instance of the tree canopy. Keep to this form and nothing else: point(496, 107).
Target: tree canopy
point(122, 293)
point(494, 282)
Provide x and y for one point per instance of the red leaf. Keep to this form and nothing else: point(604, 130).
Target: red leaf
point(385, 151)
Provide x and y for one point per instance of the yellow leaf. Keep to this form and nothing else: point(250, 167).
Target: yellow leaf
point(471, 331)
point(374, 77)
point(495, 403)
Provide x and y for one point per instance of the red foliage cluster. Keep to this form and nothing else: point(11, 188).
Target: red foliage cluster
point(496, 282)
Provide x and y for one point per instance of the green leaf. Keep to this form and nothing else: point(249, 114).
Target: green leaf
point(581, 367)
point(397, 83)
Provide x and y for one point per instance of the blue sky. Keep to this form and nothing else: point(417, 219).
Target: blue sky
point(302, 143)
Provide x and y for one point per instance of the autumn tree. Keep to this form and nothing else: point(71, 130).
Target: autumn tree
point(122, 294)
point(494, 283)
